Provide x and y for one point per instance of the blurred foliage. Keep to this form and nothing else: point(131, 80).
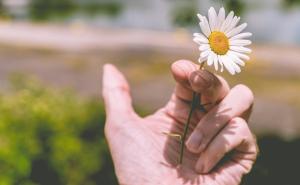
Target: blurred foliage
point(45, 9)
point(238, 6)
point(289, 3)
point(52, 137)
point(3, 11)
point(185, 15)
point(61, 9)
point(108, 8)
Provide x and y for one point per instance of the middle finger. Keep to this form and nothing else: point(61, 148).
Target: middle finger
point(236, 103)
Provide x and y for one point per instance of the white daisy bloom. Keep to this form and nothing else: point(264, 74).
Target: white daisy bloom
point(221, 42)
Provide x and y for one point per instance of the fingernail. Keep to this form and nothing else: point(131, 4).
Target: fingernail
point(194, 142)
point(200, 80)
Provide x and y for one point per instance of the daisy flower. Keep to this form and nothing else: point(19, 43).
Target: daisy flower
point(222, 43)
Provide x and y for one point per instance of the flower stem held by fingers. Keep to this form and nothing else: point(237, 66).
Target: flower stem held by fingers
point(196, 102)
point(186, 127)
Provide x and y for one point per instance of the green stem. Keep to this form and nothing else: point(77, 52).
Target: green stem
point(195, 101)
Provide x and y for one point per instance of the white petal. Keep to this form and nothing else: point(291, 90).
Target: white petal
point(236, 30)
point(210, 59)
point(215, 59)
point(205, 27)
point(200, 16)
point(227, 21)
point(221, 63)
point(228, 64)
point(240, 49)
point(212, 17)
point(204, 47)
point(240, 55)
point(241, 36)
point(239, 42)
point(236, 68)
point(198, 37)
point(201, 60)
point(205, 53)
point(200, 41)
point(236, 59)
point(233, 23)
point(239, 61)
point(221, 17)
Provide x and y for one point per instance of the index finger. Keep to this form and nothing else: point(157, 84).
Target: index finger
point(190, 79)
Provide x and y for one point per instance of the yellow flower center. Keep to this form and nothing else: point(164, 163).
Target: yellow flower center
point(218, 42)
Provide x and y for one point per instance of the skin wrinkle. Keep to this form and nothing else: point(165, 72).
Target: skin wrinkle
point(179, 128)
point(183, 94)
point(245, 168)
point(180, 113)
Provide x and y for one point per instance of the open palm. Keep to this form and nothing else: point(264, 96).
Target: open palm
point(220, 148)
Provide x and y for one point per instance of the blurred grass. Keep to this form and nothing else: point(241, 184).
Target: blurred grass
point(268, 83)
point(49, 136)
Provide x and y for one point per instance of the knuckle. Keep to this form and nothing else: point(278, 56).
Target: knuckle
point(243, 128)
point(241, 123)
point(246, 91)
point(208, 131)
point(238, 120)
point(123, 89)
point(223, 82)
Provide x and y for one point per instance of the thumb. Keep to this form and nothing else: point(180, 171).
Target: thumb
point(115, 91)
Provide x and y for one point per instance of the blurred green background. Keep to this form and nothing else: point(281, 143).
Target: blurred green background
point(51, 57)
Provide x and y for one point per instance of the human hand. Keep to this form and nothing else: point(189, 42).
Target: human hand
point(220, 148)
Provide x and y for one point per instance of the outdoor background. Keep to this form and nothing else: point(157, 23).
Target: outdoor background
point(51, 58)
